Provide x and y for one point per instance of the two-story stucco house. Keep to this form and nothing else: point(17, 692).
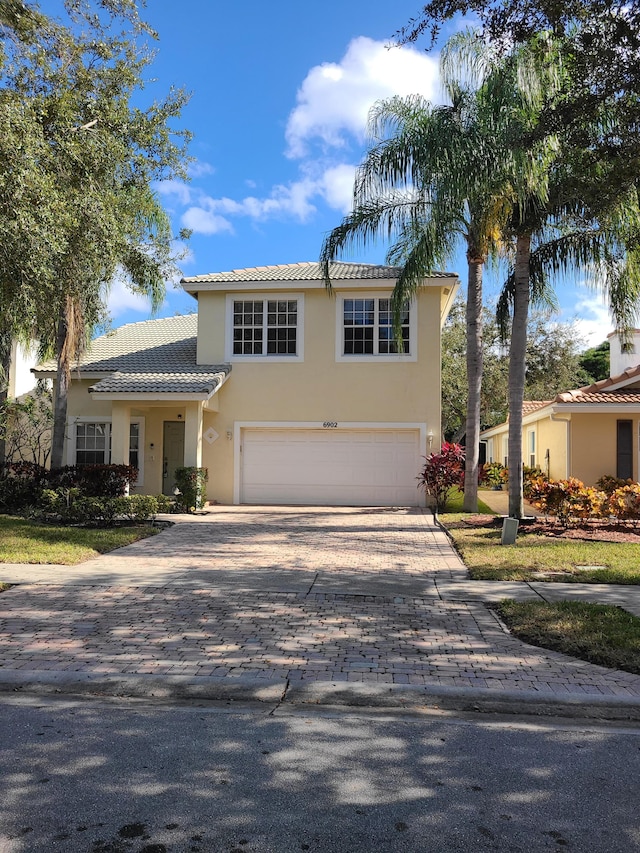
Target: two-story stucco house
point(284, 392)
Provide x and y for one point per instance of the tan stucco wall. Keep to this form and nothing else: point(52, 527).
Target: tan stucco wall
point(593, 445)
point(319, 388)
point(550, 435)
point(315, 390)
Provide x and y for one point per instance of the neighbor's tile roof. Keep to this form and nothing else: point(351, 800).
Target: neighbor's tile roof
point(306, 271)
point(529, 406)
point(154, 356)
point(620, 395)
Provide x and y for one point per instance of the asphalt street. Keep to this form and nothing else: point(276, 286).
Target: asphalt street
point(125, 777)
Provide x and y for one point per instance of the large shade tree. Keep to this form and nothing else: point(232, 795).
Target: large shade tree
point(85, 211)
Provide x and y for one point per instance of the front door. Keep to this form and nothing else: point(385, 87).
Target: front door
point(172, 454)
point(625, 450)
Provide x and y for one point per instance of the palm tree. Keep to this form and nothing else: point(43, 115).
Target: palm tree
point(565, 235)
point(437, 175)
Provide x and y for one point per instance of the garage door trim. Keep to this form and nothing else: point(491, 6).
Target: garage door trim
point(239, 426)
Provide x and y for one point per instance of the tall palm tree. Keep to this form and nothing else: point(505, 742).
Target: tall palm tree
point(434, 176)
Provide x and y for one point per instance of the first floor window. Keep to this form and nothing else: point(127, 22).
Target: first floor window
point(93, 443)
point(532, 449)
point(368, 328)
point(265, 326)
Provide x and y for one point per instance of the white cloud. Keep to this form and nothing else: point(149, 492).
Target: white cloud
point(592, 317)
point(336, 186)
point(121, 299)
point(335, 98)
point(199, 168)
point(202, 221)
point(175, 189)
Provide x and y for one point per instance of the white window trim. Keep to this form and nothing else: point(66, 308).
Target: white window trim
point(96, 419)
point(263, 297)
point(531, 447)
point(412, 355)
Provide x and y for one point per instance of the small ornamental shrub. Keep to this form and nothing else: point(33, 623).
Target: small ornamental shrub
point(494, 474)
point(165, 503)
point(587, 503)
point(108, 481)
point(442, 472)
point(192, 487)
point(624, 503)
point(20, 485)
point(609, 483)
point(141, 508)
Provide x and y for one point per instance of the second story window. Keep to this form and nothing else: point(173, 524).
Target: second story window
point(368, 328)
point(265, 327)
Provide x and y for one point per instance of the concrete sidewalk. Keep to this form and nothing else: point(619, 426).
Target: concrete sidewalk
point(300, 605)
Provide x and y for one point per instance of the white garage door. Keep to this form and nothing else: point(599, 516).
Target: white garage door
point(369, 467)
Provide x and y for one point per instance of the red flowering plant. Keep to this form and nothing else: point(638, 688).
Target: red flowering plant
point(442, 472)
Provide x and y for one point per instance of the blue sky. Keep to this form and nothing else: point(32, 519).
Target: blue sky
point(280, 95)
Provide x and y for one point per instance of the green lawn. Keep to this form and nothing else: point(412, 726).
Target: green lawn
point(454, 504)
point(23, 541)
point(598, 633)
point(535, 557)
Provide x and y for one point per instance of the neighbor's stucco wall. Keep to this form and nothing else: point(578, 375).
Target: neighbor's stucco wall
point(552, 437)
point(593, 445)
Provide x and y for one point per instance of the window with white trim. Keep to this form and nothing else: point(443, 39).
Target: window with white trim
point(365, 330)
point(93, 444)
point(532, 448)
point(368, 328)
point(265, 327)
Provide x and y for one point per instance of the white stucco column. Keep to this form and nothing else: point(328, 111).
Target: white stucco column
point(120, 427)
point(193, 435)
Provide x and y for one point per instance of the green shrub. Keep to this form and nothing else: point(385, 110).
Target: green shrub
point(192, 484)
point(141, 508)
point(165, 503)
point(493, 474)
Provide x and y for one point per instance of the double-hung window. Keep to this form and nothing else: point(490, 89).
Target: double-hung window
point(366, 329)
point(92, 444)
point(266, 328)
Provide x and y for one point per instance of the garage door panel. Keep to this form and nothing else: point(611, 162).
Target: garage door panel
point(341, 467)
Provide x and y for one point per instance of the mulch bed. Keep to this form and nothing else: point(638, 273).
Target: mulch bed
point(593, 531)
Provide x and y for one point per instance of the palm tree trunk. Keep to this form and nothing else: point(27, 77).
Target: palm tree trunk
point(5, 367)
point(61, 389)
point(517, 369)
point(474, 381)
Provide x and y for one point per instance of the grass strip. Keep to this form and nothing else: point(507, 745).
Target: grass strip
point(598, 633)
point(24, 541)
point(542, 558)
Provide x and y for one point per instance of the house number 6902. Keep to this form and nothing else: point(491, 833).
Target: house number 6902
point(330, 425)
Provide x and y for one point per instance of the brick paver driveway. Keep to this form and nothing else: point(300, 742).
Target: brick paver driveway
point(296, 594)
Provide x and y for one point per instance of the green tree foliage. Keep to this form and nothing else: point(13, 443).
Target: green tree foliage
point(596, 361)
point(553, 364)
point(77, 166)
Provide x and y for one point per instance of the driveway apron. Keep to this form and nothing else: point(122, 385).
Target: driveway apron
point(284, 594)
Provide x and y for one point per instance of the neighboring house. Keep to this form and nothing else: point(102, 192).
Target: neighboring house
point(21, 378)
point(285, 393)
point(586, 433)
